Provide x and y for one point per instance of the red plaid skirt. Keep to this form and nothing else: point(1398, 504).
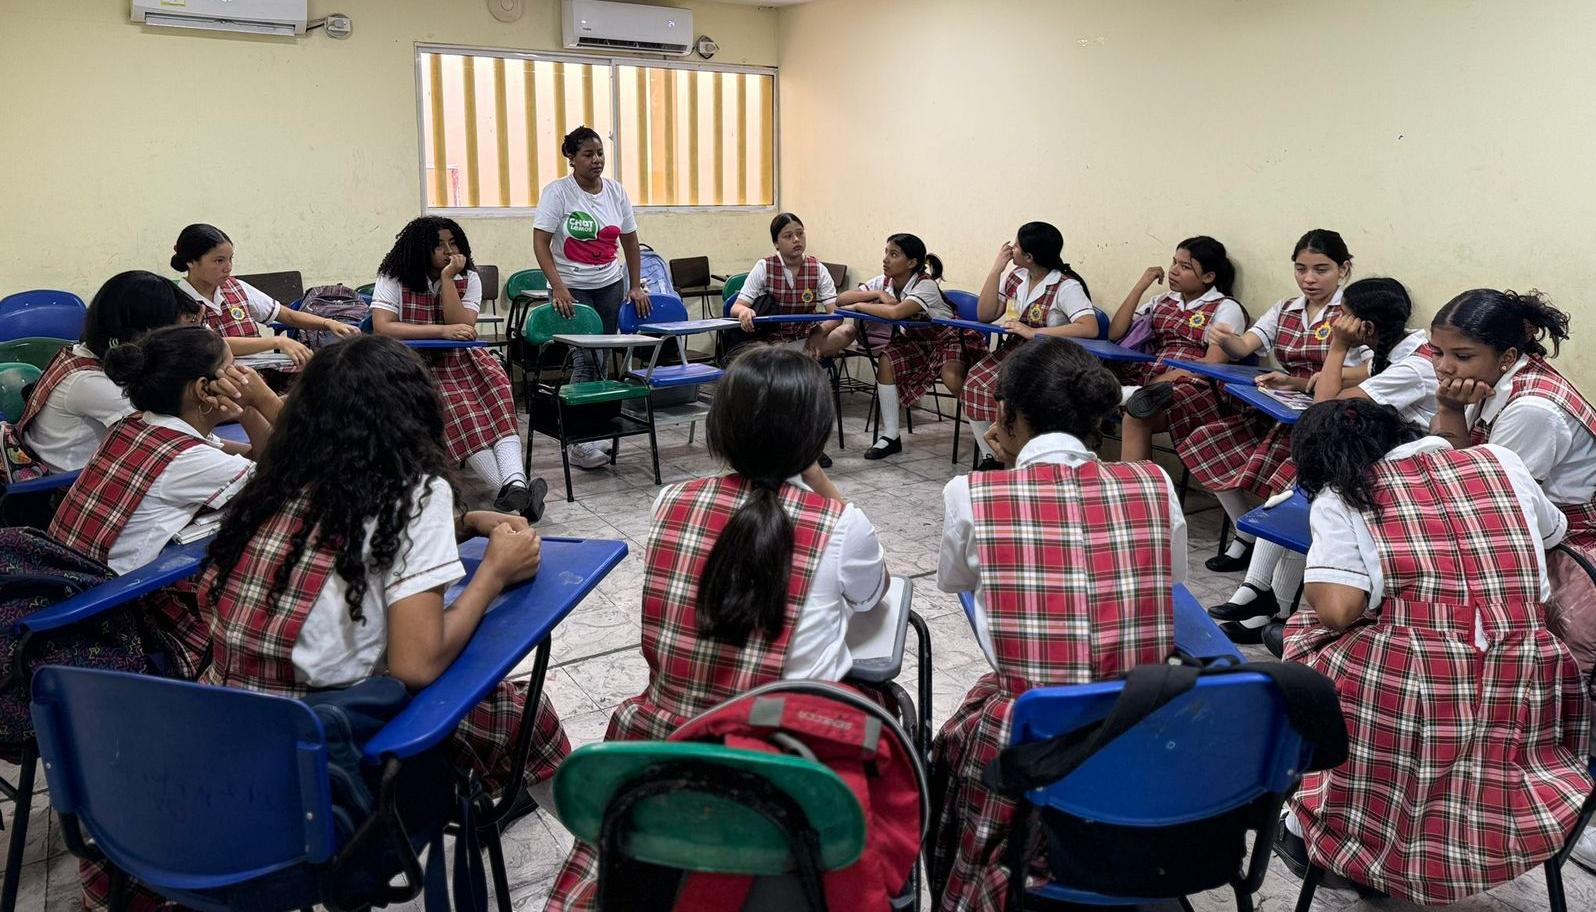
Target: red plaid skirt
point(970, 823)
point(979, 385)
point(479, 409)
point(1240, 452)
point(184, 634)
point(1466, 767)
point(917, 356)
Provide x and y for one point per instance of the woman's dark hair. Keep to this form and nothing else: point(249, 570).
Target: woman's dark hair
point(744, 583)
point(410, 259)
point(131, 304)
point(1057, 386)
point(1324, 242)
point(782, 221)
point(1211, 257)
point(1335, 444)
point(194, 242)
point(155, 369)
point(573, 141)
point(1385, 305)
point(1045, 244)
point(360, 435)
point(914, 249)
point(1506, 319)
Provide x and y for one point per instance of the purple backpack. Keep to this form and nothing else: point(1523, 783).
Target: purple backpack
point(335, 302)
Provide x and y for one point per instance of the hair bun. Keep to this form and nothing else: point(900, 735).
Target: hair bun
point(123, 363)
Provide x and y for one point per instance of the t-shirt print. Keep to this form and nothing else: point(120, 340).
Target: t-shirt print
point(588, 244)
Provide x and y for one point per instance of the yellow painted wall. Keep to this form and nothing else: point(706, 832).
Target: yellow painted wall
point(114, 136)
point(1450, 141)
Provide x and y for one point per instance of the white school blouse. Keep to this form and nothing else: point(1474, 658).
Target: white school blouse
point(1408, 383)
point(1559, 452)
point(1070, 302)
point(1344, 552)
point(922, 290)
point(758, 282)
point(262, 307)
point(334, 651)
point(199, 478)
point(851, 577)
point(959, 566)
point(76, 417)
point(387, 293)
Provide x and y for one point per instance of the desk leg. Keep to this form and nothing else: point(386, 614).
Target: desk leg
point(489, 827)
point(922, 634)
point(19, 826)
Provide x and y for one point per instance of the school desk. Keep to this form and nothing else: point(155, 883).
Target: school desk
point(232, 431)
point(843, 313)
point(1285, 524)
point(174, 564)
point(1251, 394)
point(877, 638)
point(50, 482)
point(684, 373)
point(1223, 373)
point(688, 327)
point(798, 318)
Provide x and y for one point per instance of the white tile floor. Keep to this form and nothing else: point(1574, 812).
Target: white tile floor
point(596, 662)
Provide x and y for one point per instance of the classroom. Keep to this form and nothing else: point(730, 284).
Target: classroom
point(797, 454)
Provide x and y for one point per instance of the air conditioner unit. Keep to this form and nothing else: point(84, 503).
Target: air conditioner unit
point(256, 17)
point(602, 25)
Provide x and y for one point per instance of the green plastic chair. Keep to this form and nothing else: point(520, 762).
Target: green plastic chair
point(35, 350)
point(541, 324)
point(728, 293)
point(366, 289)
point(524, 281)
point(671, 804)
point(14, 376)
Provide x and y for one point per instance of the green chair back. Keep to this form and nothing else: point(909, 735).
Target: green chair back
point(697, 831)
point(13, 377)
point(524, 281)
point(734, 284)
point(544, 323)
point(366, 289)
point(34, 350)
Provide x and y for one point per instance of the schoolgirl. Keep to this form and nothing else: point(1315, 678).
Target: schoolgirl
point(796, 284)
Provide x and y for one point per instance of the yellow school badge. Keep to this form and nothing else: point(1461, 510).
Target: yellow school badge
point(809, 296)
point(236, 312)
point(1322, 332)
point(1198, 320)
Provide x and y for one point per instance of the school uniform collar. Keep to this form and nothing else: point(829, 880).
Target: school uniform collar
point(1412, 342)
point(1212, 294)
point(1056, 447)
point(210, 302)
point(1494, 403)
point(1300, 302)
point(1427, 444)
point(1053, 277)
point(174, 423)
point(82, 351)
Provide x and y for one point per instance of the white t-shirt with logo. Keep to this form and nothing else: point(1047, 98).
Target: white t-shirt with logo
point(587, 229)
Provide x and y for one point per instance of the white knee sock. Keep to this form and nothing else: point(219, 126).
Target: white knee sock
point(980, 428)
point(507, 453)
point(1125, 392)
point(1235, 504)
point(1288, 577)
point(1261, 571)
point(889, 409)
point(486, 466)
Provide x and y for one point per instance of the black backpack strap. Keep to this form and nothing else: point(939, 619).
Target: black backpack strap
point(1023, 767)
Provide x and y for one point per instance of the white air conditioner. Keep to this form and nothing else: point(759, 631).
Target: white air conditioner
point(256, 17)
point(602, 25)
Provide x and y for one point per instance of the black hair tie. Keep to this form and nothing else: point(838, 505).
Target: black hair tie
point(766, 484)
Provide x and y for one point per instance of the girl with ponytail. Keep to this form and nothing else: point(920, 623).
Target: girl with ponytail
point(916, 357)
point(749, 577)
point(1041, 296)
point(1427, 579)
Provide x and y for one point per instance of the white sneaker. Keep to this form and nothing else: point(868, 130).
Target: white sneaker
point(605, 446)
point(588, 456)
point(1584, 853)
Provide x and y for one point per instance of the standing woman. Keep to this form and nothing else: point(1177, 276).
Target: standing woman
point(1467, 719)
point(1042, 296)
point(907, 289)
point(580, 219)
point(236, 309)
point(1240, 453)
point(428, 288)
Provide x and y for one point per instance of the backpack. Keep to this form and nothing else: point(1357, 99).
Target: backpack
point(853, 736)
point(37, 572)
point(656, 274)
point(335, 302)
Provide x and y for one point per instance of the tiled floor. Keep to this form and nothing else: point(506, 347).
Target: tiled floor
point(596, 662)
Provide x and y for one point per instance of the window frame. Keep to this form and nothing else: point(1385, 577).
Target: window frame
point(614, 63)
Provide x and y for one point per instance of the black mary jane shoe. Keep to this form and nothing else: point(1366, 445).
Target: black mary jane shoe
point(513, 497)
point(884, 447)
point(825, 461)
point(1241, 634)
point(1274, 638)
point(1263, 604)
point(1291, 849)
point(1224, 563)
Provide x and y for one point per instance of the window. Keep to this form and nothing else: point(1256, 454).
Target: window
point(491, 124)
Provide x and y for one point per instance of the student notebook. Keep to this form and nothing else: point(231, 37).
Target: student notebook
point(265, 360)
point(1292, 399)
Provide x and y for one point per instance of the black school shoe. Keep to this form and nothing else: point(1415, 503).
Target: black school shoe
point(825, 461)
point(1264, 603)
point(523, 500)
point(1242, 635)
point(1291, 849)
point(1274, 638)
point(1224, 563)
point(1150, 400)
point(884, 447)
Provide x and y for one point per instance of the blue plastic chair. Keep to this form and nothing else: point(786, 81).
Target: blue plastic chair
point(1222, 745)
point(54, 321)
point(966, 304)
point(1102, 322)
point(662, 308)
point(206, 795)
point(37, 297)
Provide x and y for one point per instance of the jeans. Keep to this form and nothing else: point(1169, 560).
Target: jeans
point(591, 365)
